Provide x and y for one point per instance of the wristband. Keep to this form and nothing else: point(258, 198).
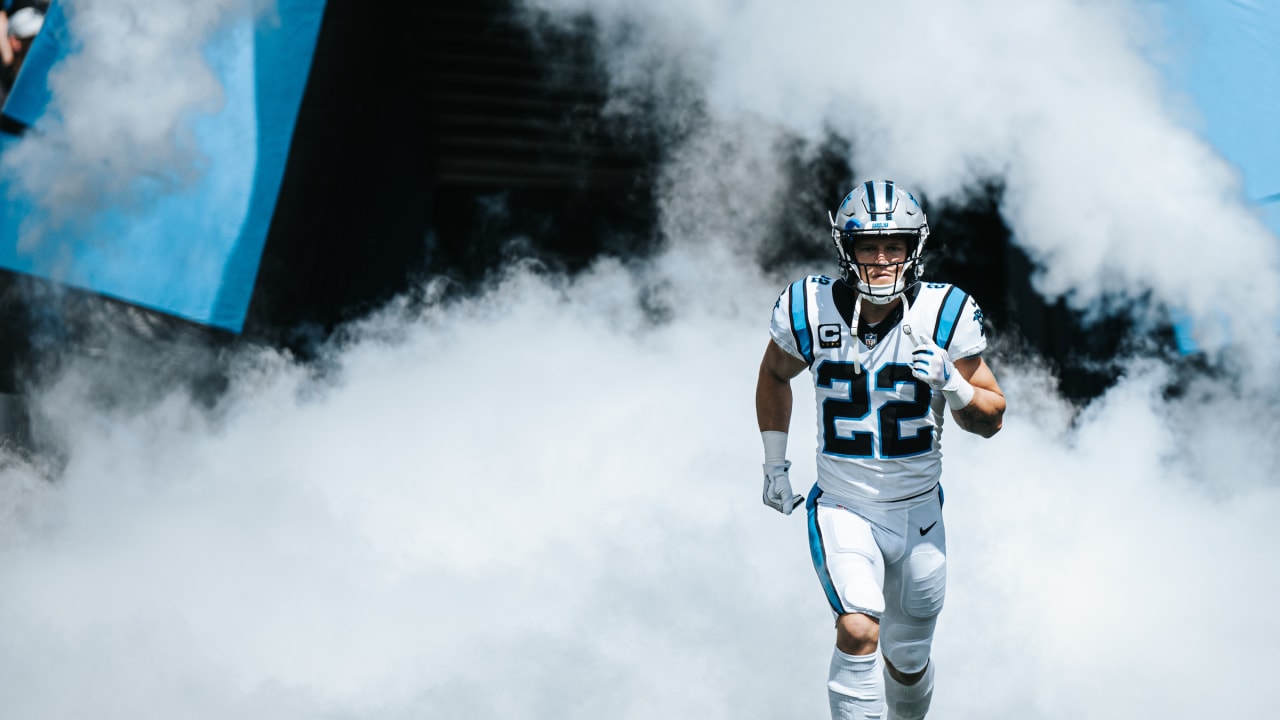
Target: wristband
point(775, 446)
point(961, 396)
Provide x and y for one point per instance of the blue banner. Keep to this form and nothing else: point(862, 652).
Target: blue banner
point(188, 249)
point(1226, 57)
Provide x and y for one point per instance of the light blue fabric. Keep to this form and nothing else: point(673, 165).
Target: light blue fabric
point(193, 252)
point(1225, 56)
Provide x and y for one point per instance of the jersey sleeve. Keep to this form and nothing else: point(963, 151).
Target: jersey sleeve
point(970, 337)
point(781, 329)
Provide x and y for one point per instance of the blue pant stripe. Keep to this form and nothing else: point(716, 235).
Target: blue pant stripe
point(820, 555)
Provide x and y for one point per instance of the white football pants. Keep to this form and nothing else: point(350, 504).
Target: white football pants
point(888, 561)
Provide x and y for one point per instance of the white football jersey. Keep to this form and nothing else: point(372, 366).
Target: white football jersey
point(879, 430)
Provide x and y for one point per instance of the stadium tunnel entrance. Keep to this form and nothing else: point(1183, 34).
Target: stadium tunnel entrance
point(448, 139)
point(445, 140)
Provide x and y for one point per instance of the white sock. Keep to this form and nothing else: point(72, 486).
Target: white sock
point(909, 702)
point(855, 687)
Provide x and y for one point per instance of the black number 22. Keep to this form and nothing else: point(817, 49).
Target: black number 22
point(857, 406)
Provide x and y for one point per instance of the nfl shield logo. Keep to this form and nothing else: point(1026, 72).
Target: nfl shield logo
point(870, 339)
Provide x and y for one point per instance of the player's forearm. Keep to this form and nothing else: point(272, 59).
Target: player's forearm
point(984, 415)
point(773, 402)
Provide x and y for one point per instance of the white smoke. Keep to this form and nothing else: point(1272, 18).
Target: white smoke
point(540, 504)
point(1108, 188)
point(537, 504)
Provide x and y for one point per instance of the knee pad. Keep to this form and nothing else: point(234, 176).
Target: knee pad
point(908, 656)
point(906, 636)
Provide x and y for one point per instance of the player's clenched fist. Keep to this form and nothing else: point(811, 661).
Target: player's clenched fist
point(933, 365)
point(777, 488)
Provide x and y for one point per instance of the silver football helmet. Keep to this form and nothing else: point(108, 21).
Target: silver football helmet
point(879, 207)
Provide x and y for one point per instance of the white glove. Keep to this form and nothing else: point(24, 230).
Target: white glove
point(931, 364)
point(777, 488)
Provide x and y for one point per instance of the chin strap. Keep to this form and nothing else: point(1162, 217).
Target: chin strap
point(856, 345)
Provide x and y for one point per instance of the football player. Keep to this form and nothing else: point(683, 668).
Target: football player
point(888, 354)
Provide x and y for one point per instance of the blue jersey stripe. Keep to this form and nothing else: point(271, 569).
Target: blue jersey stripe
point(820, 555)
point(800, 321)
point(952, 304)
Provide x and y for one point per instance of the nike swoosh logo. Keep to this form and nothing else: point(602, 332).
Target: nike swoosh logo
point(925, 530)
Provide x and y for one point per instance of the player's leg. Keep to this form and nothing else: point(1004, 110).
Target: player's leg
point(915, 588)
point(855, 686)
point(907, 697)
point(851, 569)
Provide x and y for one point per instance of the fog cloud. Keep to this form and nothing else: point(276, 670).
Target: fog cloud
point(539, 503)
point(1108, 188)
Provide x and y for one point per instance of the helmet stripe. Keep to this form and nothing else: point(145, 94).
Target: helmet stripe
point(888, 198)
point(871, 197)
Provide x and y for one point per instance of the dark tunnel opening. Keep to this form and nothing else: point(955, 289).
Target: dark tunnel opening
point(492, 144)
point(438, 140)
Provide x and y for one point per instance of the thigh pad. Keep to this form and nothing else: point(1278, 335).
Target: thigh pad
point(854, 563)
